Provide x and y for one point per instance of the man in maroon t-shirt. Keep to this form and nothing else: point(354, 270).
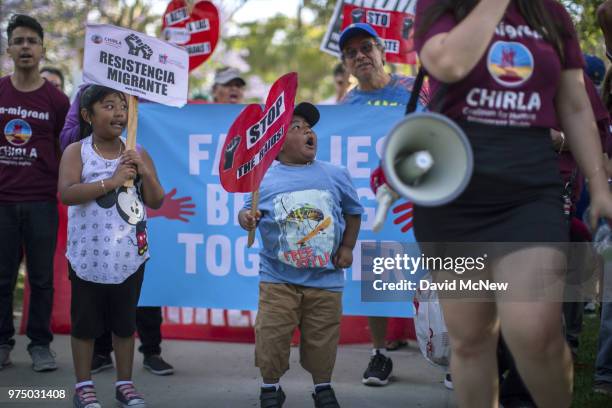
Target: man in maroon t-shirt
point(32, 113)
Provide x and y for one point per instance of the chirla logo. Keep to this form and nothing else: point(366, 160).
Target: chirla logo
point(137, 47)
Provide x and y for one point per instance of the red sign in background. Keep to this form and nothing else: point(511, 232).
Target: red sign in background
point(201, 28)
point(256, 137)
point(393, 27)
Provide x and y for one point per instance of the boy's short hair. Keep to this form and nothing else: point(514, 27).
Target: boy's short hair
point(22, 20)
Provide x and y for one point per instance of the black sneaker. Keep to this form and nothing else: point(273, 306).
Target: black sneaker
point(270, 397)
point(156, 364)
point(127, 397)
point(378, 371)
point(324, 397)
point(100, 362)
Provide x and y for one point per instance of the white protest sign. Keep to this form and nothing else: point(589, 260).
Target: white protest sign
point(136, 64)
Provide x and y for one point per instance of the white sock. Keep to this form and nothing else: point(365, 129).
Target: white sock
point(276, 386)
point(374, 350)
point(321, 385)
point(82, 384)
point(120, 383)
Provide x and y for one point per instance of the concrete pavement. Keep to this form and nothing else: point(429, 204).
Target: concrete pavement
point(222, 375)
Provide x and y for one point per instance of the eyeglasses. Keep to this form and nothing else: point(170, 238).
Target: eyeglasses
point(23, 40)
point(365, 49)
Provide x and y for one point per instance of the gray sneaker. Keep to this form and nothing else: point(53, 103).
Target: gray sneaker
point(5, 356)
point(43, 359)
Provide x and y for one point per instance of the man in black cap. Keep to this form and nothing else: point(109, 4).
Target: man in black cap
point(309, 217)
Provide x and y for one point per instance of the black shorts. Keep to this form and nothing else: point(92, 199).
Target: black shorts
point(514, 195)
point(98, 307)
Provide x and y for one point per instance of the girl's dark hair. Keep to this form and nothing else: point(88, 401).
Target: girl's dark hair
point(91, 95)
point(535, 13)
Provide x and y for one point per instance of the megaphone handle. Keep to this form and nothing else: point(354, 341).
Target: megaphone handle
point(384, 198)
point(254, 204)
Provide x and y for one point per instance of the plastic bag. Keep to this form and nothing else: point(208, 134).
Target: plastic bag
point(431, 331)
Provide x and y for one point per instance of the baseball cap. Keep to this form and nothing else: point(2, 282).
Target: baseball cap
point(595, 68)
point(307, 111)
point(227, 74)
point(357, 29)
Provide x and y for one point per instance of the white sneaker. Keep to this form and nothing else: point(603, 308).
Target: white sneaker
point(448, 381)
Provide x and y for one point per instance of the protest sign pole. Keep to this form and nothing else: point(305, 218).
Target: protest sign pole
point(131, 129)
point(254, 205)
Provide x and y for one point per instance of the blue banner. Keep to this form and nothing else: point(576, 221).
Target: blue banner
point(199, 256)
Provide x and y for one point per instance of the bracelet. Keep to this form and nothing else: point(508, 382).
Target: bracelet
point(562, 142)
point(103, 187)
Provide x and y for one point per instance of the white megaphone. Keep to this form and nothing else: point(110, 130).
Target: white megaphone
point(427, 159)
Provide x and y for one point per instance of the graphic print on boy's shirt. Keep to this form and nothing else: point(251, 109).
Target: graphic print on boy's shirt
point(306, 224)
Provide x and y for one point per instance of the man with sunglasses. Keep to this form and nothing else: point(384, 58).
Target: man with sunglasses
point(363, 55)
point(32, 113)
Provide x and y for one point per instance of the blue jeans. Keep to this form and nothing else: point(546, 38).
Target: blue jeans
point(28, 228)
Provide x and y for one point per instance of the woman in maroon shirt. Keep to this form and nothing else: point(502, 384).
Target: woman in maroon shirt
point(512, 70)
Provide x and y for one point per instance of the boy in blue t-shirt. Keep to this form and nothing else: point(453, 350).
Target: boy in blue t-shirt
point(309, 217)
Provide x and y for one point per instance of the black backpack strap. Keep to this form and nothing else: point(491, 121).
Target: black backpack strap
point(416, 90)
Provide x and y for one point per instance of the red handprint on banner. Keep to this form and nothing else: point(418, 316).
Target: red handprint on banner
point(173, 209)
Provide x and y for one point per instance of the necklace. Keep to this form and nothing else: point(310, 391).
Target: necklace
point(100, 153)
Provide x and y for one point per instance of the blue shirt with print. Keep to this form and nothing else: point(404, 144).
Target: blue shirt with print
point(302, 224)
point(397, 92)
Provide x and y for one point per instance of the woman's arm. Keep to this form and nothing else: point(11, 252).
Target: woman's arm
point(71, 130)
point(578, 123)
point(450, 57)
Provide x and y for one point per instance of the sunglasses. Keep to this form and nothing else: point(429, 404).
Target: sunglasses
point(365, 49)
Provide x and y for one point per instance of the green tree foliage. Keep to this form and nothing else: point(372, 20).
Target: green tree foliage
point(585, 18)
point(64, 24)
point(282, 44)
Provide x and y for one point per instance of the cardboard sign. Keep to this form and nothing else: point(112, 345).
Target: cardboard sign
point(256, 137)
point(197, 32)
point(136, 64)
point(392, 20)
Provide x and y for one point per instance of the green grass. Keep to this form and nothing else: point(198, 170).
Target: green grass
point(584, 397)
point(18, 294)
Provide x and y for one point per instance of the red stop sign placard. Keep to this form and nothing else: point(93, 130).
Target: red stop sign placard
point(256, 137)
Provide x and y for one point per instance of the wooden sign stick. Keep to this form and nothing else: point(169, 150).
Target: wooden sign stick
point(131, 129)
point(254, 204)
